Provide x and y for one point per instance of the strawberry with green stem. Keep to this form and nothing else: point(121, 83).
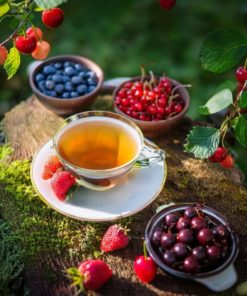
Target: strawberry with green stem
point(90, 275)
point(115, 238)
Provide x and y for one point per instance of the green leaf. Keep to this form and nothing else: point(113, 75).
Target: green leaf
point(242, 103)
point(13, 62)
point(202, 141)
point(241, 130)
point(222, 50)
point(4, 9)
point(218, 102)
point(49, 4)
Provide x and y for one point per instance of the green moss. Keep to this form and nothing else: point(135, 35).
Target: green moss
point(39, 229)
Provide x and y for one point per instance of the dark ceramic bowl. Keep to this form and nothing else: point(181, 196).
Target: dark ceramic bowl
point(218, 279)
point(153, 129)
point(72, 105)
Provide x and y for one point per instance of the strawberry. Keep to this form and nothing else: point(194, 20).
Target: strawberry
point(51, 166)
point(90, 275)
point(61, 182)
point(114, 238)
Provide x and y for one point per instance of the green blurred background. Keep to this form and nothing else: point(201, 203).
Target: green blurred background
point(121, 35)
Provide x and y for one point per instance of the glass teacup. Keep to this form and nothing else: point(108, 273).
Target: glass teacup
point(100, 147)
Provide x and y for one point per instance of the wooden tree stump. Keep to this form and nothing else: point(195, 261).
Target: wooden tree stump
point(29, 125)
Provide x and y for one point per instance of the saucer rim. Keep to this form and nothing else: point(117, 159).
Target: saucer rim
point(147, 141)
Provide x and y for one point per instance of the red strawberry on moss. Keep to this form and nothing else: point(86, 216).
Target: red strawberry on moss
point(51, 166)
point(61, 183)
point(90, 275)
point(114, 238)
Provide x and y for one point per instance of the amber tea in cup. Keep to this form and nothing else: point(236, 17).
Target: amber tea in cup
point(99, 143)
point(100, 147)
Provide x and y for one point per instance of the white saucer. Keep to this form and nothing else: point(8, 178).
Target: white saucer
point(137, 190)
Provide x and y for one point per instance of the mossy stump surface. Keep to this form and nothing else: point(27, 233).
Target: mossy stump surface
point(29, 125)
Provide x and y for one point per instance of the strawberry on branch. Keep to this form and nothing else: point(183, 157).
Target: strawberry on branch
point(27, 39)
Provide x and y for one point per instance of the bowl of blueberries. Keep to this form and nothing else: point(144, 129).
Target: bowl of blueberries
point(66, 84)
point(194, 242)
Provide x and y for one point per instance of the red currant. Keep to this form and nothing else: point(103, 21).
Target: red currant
point(35, 32)
point(138, 106)
point(26, 45)
point(41, 51)
point(178, 108)
point(52, 18)
point(228, 162)
point(167, 4)
point(241, 74)
point(3, 54)
point(219, 155)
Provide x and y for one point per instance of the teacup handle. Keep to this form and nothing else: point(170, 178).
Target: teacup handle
point(151, 157)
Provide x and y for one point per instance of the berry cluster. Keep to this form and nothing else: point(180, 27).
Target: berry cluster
point(66, 79)
point(32, 43)
point(149, 100)
point(167, 4)
point(223, 158)
point(191, 241)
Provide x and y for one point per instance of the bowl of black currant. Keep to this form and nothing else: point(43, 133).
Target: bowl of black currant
point(66, 84)
point(194, 242)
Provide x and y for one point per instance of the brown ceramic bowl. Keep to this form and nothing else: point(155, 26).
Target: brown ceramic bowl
point(154, 129)
point(72, 105)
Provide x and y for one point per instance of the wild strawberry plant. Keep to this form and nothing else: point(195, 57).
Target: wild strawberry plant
point(26, 38)
point(222, 51)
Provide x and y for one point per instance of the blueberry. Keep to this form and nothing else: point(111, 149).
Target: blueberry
point(49, 77)
point(59, 72)
point(58, 65)
point(50, 84)
point(70, 71)
point(66, 78)
point(39, 77)
point(91, 81)
point(51, 93)
point(65, 95)
point(91, 74)
point(91, 88)
point(81, 89)
point(76, 79)
point(80, 67)
point(69, 86)
point(59, 88)
point(83, 74)
point(74, 94)
point(41, 85)
point(57, 78)
point(69, 64)
point(49, 70)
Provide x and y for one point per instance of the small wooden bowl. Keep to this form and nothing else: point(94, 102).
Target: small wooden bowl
point(153, 129)
point(73, 105)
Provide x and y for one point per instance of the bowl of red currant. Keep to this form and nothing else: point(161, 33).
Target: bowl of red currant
point(66, 84)
point(194, 242)
point(156, 104)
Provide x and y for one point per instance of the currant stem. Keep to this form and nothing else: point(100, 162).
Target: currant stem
point(180, 86)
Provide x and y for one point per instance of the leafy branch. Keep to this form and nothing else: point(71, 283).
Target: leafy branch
point(221, 51)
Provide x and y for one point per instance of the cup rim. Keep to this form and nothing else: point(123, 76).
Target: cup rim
point(98, 113)
point(181, 274)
